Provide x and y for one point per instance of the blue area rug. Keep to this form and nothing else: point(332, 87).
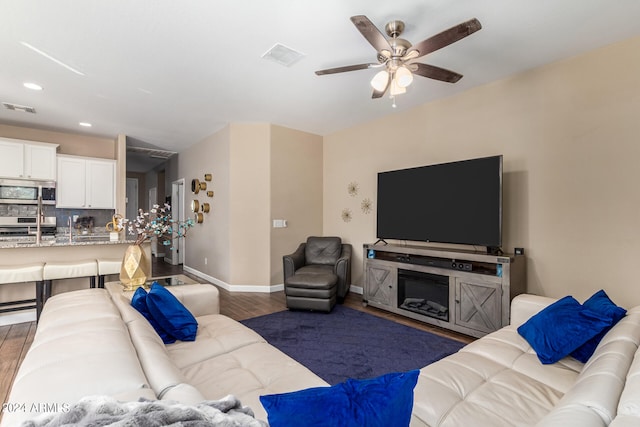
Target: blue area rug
point(348, 343)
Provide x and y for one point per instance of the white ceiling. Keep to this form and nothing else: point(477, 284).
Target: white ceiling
point(169, 73)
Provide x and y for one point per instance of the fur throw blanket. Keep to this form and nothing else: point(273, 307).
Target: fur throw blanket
point(106, 411)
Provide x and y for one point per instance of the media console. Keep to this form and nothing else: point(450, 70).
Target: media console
point(465, 291)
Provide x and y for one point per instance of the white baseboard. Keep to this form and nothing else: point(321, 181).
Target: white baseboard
point(234, 288)
point(251, 288)
point(17, 317)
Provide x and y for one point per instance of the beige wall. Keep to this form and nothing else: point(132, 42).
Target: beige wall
point(260, 172)
point(569, 135)
point(296, 192)
point(211, 239)
point(70, 143)
point(250, 204)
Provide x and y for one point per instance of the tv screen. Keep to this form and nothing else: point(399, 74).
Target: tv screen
point(458, 202)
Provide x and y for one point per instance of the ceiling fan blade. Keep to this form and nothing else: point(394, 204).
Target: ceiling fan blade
point(344, 69)
point(371, 33)
point(379, 93)
point(446, 37)
point(436, 73)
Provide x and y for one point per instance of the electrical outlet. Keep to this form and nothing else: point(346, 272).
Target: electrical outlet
point(205, 260)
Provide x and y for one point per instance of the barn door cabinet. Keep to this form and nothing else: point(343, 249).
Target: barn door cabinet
point(464, 291)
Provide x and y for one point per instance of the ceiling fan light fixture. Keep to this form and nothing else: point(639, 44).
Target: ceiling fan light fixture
point(404, 77)
point(380, 80)
point(396, 89)
point(396, 55)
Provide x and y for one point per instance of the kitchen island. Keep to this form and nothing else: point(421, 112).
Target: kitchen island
point(81, 247)
point(62, 242)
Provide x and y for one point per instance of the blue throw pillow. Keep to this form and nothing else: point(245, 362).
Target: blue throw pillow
point(171, 314)
point(560, 328)
point(601, 304)
point(378, 402)
point(139, 302)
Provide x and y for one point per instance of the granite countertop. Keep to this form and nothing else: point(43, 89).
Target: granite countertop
point(82, 240)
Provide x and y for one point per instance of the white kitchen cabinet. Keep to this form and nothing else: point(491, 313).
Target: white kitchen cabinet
point(40, 161)
point(11, 159)
point(23, 159)
point(86, 183)
point(101, 184)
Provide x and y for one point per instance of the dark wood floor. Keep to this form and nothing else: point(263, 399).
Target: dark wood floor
point(16, 339)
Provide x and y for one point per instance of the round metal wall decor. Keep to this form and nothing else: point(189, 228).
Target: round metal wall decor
point(195, 185)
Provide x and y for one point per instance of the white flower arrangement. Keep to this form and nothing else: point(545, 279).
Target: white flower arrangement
point(156, 223)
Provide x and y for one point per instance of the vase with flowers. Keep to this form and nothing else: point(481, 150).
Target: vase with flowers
point(157, 223)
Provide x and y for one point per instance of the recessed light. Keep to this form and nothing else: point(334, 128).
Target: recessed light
point(85, 124)
point(32, 86)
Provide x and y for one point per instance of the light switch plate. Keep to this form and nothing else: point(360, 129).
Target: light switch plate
point(279, 223)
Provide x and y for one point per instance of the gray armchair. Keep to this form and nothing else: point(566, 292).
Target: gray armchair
point(321, 255)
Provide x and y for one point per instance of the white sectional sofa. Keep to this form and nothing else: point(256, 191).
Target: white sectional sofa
point(92, 342)
point(499, 381)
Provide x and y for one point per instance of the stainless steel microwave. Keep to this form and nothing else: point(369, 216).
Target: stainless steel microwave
point(27, 191)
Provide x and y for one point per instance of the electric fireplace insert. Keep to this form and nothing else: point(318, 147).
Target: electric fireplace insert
point(424, 293)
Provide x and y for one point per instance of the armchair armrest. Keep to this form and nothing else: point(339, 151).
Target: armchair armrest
point(343, 270)
point(524, 306)
point(294, 261)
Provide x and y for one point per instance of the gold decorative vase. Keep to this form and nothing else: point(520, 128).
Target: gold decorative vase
point(136, 268)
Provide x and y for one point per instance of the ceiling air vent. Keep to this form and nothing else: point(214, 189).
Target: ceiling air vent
point(18, 107)
point(283, 55)
point(152, 152)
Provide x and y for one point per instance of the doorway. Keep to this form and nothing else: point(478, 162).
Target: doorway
point(175, 255)
point(132, 198)
point(153, 200)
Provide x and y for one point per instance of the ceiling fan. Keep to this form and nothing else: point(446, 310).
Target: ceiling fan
point(396, 56)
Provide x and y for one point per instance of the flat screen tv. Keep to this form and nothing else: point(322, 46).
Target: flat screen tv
point(458, 202)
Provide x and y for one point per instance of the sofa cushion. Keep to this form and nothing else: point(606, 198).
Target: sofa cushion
point(162, 373)
point(377, 402)
point(601, 304)
point(139, 302)
point(599, 386)
point(248, 372)
point(171, 314)
point(316, 269)
point(81, 347)
point(322, 250)
point(217, 334)
point(628, 410)
point(560, 328)
point(494, 381)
